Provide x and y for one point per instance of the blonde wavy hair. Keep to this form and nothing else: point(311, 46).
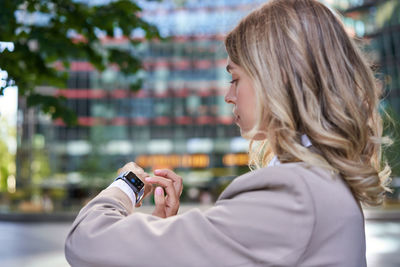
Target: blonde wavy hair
point(310, 78)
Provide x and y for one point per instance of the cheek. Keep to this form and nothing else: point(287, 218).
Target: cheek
point(248, 110)
point(248, 98)
point(250, 118)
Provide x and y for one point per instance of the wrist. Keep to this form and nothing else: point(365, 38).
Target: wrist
point(135, 184)
point(124, 187)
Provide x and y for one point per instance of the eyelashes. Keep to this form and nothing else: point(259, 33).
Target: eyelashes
point(234, 81)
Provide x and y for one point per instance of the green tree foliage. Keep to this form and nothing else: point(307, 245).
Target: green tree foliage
point(7, 159)
point(45, 32)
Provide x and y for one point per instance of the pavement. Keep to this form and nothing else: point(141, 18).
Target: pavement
point(41, 244)
point(382, 214)
point(33, 244)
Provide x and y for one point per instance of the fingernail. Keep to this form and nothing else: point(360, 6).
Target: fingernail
point(157, 171)
point(159, 191)
point(148, 179)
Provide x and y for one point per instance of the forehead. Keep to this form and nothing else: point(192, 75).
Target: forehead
point(231, 66)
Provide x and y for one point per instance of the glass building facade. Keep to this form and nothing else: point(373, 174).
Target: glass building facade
point(375, 24)
point(177, 120)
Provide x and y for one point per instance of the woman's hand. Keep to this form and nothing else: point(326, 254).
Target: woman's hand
point(168, 205)
point(136, 169)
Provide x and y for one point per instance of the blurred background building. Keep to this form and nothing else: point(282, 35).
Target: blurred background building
point(375, 24)
point(178, 119)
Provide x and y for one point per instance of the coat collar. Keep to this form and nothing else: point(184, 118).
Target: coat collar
point(305, 141)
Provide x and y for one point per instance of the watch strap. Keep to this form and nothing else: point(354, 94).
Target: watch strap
point(138, 193)
point(124, 187)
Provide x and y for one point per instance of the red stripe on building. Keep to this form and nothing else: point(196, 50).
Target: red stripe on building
point(162, 121)
point(225, 120)
point(85, 121)
point(219, 37)
point(221, 62)
point(182, 93)
point(90, 121)
point(82, 93)
point(180, 38)
point(119, 93)
point(140, 121)
point(162, 94)
point(182, 64)
point(205, 120)
point(185, 120)
point(141, 94)
point(203, 64)
point(204, 92)
point(119, 121)
point(161, 64)
point(96, 94)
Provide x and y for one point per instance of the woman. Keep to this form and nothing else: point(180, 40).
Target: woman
point(305, 97)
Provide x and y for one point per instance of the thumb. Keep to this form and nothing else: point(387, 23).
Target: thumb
point(159, 199)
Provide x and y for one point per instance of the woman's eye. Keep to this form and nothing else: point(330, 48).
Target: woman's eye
point(234, 81)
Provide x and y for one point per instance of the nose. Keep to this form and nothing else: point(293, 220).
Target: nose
point(230, 97)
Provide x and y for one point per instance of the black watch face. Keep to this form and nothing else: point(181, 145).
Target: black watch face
point(134, 180)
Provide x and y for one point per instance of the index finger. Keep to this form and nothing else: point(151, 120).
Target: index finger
point(167, 173)
point(167, 184)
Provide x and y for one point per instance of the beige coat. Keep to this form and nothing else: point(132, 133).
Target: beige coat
point(286, 215)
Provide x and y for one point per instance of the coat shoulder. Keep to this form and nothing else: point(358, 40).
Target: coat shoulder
point(265, 178)
point(292, 177)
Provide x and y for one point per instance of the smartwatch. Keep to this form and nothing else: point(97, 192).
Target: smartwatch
point(134, 183)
